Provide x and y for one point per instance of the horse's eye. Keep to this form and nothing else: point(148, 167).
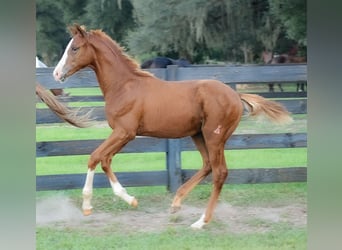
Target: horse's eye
point(74, 49)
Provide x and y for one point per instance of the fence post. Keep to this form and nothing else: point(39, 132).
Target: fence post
point(171, 72)
point(173, 161)
point(173, 154)
point(232, 85)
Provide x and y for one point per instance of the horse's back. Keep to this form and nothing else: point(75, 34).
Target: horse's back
point(205, 90)
point(200, 90)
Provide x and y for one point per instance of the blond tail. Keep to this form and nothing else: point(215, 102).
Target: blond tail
point(257, 106)
point(66, 114)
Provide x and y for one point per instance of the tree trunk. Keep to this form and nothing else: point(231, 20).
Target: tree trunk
point(246, 51)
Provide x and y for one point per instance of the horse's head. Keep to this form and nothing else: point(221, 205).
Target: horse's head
point(77, 54)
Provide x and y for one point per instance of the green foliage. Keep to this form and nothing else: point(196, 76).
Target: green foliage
point(269, 32)
point(168, 26)
point(113, 17)
point(292, 14)
point(51, 32)
point(199, 30)
point(73, 11)
point(235, 31)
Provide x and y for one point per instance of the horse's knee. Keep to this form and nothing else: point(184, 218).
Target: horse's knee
point(220, 175)
point(207, 169)
point(223, 173)
point(93, 161)
point(105, 164)
point(105, 168)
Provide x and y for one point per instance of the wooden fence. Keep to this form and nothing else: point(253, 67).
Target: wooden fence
point(173, 175)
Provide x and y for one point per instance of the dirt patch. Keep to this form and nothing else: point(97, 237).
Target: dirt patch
point(260, 219)
point(61, 212)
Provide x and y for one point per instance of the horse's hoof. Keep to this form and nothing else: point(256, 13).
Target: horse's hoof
point(197, 226)
point(87, 212)
point(134, 203)
point(174, 209)
point(200, 223)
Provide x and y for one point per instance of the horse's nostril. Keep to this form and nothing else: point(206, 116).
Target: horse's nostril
point(56, 75)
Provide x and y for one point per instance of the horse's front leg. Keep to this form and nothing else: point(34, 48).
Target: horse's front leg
point(104, 154)
point(88, 192)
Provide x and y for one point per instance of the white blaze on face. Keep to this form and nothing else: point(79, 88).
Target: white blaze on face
point(58, 71)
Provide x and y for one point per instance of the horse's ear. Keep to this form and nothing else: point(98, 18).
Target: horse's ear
point(78, 29)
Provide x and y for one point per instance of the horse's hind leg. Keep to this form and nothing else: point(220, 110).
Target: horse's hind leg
point(215, 140)
point(220, 173)
point(195, 179)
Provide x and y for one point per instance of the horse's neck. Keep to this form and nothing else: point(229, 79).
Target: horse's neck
point(111, 71)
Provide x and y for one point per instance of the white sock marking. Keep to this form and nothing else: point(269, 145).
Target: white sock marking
point(121, 192)
point(200, 223)
point(88, 190)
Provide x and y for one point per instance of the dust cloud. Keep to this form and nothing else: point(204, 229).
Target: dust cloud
point(56, 209)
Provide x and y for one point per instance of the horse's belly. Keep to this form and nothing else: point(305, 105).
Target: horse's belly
point(171, 124)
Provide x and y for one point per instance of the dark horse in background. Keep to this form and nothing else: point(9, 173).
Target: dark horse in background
point(269, 57)
point(163, 62)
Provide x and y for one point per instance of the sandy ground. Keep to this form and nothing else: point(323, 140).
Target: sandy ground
point(61, 212)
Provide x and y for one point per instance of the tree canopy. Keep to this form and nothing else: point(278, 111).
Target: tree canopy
point(198, 30)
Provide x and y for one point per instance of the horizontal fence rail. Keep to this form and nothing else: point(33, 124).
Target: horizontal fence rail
point(173, 176)
point(160, 178)
point(149, 144)
point(228, 74)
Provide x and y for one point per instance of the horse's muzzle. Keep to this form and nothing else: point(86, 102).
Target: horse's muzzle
point(63, 78)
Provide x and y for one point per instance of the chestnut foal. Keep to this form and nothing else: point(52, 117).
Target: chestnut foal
point(137, 103)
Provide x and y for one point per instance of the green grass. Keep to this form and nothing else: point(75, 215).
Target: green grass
point(170, 239)
point(95, 91)
point(262, 87)
point(242, 195)
point(215, 236)
point(61, 132)
point(83, 91)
